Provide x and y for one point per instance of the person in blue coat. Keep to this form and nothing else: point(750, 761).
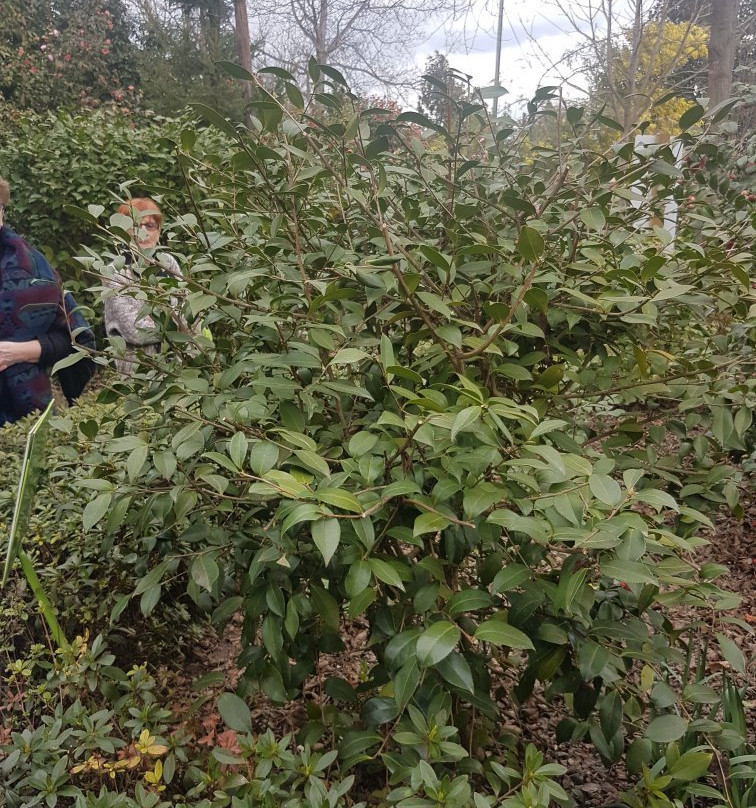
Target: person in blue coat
point(39, 325)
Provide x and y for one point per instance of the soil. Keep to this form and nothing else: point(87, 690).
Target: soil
point(588, 780)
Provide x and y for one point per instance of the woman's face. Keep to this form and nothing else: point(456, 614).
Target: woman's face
point(147, 232)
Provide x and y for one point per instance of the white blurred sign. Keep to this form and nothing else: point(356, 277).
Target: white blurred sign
point(647, 146)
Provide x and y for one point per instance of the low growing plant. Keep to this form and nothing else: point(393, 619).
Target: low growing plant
point(88, 578)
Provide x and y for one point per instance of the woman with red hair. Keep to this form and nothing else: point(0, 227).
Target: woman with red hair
point(124, 315)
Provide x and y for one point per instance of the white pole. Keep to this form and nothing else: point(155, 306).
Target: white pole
point(497, 77)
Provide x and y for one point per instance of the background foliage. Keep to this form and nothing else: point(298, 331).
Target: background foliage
point(179, 46)
point(71, 56)
point(56, 161)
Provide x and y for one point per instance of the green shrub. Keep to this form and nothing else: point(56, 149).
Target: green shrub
point(470, 398)
point(87, 578)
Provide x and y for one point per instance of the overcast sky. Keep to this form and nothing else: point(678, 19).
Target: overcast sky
point(535, 33)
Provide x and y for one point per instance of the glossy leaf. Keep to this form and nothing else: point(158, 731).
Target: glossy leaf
point(326, 534)
point(666, 728)
point(530, 244)
point(438, 641)
point(497, 632)
point(235, 712)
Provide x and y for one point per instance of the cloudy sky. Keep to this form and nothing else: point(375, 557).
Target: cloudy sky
point(536, 34)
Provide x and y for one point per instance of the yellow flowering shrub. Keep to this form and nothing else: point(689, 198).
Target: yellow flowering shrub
point(664, 49)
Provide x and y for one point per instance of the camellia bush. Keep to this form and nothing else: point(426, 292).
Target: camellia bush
point(473, 394)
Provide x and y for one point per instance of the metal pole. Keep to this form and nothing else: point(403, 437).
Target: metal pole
point(497, 77)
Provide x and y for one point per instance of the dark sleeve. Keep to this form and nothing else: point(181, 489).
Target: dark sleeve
point(74, 378)
point(55, 345)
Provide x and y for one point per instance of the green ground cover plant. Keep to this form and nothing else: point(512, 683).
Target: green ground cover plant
point(83, 575)
point(466, 389)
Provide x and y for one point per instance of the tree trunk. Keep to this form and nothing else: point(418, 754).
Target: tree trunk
point(723, 45)
point(243, 49)
point(321, 34)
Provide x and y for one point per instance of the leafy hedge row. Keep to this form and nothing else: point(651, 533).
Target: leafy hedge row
point(57, 161)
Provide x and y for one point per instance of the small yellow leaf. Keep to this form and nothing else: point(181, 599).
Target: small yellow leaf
point(154, 776)
point(145, 742)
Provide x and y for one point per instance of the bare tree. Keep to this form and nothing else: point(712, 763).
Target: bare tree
point(370, 41)
point(723, 45)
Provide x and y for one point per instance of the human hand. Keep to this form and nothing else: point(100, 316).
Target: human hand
point(13, 352)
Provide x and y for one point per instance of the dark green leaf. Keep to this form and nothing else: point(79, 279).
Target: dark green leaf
point(530, 244)
point(235, 712)
point(205, 571)
point(379, 710)
point(385, 572)
point(510, 577)
point(406, 681)
point(731, 653)
point(691, 116)
point(497, 632)
point(235, 71)
point(326, 534)
point(592, 659)
point(666, 728)
point(468, 600)
point(216, 119)
point(439, 640)
point(605, 489)
point(455, 669)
